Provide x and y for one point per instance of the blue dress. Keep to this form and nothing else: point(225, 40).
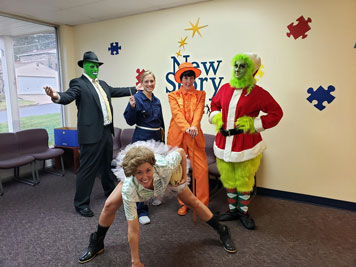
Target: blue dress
point(147, 115)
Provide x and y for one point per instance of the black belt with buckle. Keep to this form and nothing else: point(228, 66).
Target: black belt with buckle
point(230, 132)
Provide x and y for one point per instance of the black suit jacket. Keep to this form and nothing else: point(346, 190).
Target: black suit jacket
point(90, 122)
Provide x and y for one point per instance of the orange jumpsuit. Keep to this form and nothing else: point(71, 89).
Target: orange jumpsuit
point(187, 110)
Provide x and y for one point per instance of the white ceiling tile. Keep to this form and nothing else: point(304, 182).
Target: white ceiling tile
point(73, 12)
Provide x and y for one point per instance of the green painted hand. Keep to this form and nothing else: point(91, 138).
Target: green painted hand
point(217, 120)
point(245, 123)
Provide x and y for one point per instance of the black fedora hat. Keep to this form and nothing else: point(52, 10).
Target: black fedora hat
point(89, 56)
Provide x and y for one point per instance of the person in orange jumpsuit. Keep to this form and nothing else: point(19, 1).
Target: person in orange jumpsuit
point(187, 106)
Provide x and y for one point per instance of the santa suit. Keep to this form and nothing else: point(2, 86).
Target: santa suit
point(187, 110)
point(235, 103)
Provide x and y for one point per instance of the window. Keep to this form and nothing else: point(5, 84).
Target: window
point(28, 61)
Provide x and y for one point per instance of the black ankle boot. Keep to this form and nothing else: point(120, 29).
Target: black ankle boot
point(228, 216)
point(96, 246)
point(224, 233)
point(225, 238)
point(247, 221)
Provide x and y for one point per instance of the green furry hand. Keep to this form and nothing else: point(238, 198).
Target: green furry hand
point(245, 123)
point(217, 120)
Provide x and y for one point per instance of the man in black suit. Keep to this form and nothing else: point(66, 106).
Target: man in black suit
point(95, 128)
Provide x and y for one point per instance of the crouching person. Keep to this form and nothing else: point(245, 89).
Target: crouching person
point(150, 175)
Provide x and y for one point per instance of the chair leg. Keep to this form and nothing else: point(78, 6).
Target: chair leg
point(62, 166)
point(32, 182)
point(35, 173)
point(58, 173)
point(1, 189)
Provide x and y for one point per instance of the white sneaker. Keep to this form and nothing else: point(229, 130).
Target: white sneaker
point(156, 202)
point(144, 220)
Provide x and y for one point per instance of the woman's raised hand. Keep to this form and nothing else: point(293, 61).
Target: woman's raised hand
point(132, 101)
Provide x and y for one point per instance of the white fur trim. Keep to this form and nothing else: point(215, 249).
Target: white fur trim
point(257, 123)
point(232, 156)
point(230, 120)
point(212, 115)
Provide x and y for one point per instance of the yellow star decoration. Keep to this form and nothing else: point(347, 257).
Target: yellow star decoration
point(259, 73)
point(178, 53)
point(182, 42)
point(195, 28)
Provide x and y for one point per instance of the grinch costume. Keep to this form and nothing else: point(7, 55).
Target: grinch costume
point(238, 144)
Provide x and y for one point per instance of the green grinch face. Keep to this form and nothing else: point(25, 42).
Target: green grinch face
point(240, 68)
point(91, 69)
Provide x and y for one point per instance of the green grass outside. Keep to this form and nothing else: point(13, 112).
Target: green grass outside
point(20, 102)
point(46, 121)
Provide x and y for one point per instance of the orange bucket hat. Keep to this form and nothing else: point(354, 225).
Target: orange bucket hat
point(185, 67)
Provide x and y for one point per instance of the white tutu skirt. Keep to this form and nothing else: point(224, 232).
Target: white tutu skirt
point(157, 148)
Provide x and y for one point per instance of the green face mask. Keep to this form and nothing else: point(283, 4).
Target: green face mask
point(242, 73)
point(240, 68)
point(91, 69)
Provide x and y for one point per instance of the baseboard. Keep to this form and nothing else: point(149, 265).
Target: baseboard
point(307, 198)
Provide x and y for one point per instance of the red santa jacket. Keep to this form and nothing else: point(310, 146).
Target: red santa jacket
point(233, 104)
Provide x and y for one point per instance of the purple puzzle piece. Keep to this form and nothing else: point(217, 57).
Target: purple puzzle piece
point(299, 29)
point(321, 95)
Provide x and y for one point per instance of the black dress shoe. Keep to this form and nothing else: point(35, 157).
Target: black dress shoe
point(247, 221)
point(228, 216)
point(96, 247)
point(225, 239)
point(86, 212)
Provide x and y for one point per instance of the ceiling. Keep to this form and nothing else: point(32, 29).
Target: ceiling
point(73, 12)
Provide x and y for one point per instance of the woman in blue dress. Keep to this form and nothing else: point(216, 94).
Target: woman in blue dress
point(145, 111)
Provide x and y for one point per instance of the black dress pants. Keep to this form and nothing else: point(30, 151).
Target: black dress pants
point(94, 158)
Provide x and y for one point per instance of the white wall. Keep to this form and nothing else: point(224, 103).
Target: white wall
point(310, 151)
